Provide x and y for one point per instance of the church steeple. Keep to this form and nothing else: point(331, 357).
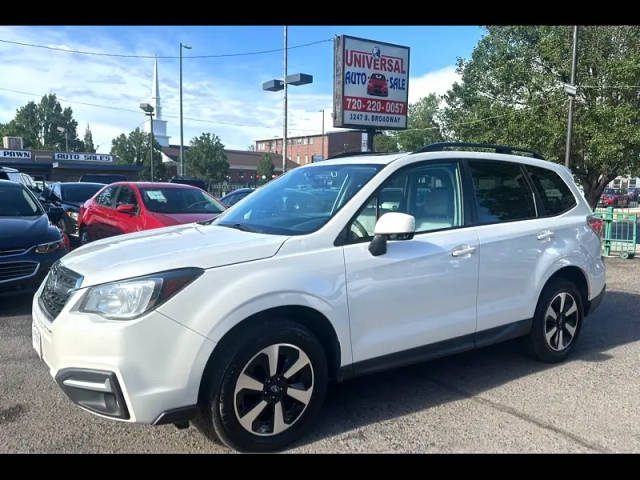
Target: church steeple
point(155, 92)
point(159, 125)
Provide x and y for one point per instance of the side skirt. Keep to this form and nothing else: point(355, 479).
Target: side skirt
point(437, 350)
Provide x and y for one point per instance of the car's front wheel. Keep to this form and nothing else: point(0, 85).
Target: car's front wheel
point(557, 322)
point(265, 390)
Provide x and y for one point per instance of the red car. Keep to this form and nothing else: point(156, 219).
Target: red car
point(614, 197)
point(127, 207)
point(377, 85)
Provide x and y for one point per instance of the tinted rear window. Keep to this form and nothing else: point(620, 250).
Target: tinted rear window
point(79, 193)
point(556, 195)
point(502, 192)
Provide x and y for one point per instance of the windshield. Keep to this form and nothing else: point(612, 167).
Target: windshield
point(79, 193)
point(18, 202)
point(299, 202)
point(179, 200)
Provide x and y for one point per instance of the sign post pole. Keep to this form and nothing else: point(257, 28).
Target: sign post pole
point(371, 132)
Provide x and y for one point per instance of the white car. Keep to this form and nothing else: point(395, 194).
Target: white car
point(336, 269)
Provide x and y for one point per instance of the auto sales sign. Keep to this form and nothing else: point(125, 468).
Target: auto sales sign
point(370, 84)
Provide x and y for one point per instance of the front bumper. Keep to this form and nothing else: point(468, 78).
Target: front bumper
point(31, 282)
point(132, 371)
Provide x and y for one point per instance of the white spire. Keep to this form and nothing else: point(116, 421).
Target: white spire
point(155, 93)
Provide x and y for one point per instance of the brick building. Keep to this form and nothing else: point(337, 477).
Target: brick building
point(302, 150)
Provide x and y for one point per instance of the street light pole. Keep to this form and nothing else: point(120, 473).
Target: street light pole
point(322, 133)
point(573, 82)
point(284, 135)
point(148, 109)
point(181, 130)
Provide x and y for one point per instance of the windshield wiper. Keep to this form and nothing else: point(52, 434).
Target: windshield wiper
point(207, 222)
point(238, 226)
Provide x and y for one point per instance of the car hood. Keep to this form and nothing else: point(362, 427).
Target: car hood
point(151, 251)
point(169, 219)
point(25, 232)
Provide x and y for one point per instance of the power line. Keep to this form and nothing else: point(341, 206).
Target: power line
point(121, 55)
point(213, 122)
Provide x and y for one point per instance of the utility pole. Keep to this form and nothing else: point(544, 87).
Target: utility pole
point(284, 135)
point(571, 97)
point(181, 130)
point(322, 133)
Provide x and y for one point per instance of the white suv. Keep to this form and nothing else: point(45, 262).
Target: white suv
point(336, 269)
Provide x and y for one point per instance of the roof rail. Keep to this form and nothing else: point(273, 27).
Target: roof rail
point(352, 154)
point(437, 147)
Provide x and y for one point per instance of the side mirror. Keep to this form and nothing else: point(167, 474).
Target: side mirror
point(54, 214)
point(399, 225)
point(127, 208)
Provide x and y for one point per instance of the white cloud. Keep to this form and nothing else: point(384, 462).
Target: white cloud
point(437, 82)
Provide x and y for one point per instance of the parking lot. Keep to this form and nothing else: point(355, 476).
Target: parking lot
point(491, 400)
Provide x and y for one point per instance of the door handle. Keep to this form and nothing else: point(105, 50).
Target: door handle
point(462, 250)
point(544, 235)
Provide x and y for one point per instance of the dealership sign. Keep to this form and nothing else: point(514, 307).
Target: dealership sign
point(90, 157)
point(370, 84)
point(13, 154)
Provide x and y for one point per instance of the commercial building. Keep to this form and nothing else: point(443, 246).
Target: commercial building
point(61, 166)
point(309, 148)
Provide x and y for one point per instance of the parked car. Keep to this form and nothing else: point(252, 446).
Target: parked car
point(633, 193)
point(195, 182)
point(377, 85)
point(234, 197)
point(29, 243)
point(336, 269)
point(135, 206)
point(614, 197)
point(70, 196)
point(105, 179)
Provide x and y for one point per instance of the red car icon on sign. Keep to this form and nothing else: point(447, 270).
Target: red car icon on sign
point(377, 85)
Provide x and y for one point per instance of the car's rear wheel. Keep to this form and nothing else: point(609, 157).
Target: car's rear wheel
point(557, 322)
point(265, 390)
point(84, 236)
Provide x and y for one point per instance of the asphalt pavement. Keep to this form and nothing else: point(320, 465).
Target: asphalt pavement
point(495, 399)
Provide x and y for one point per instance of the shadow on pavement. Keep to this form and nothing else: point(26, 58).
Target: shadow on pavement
point(387, 395)
point(13, 305)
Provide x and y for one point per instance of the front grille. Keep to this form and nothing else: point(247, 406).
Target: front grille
point(60, 283)
point(8, 253)
point(14, 270)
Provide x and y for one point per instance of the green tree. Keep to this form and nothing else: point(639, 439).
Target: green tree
point(37, 124)
point(512, 93)
point(133, 149)
point(423, 128)
point(265, 168)
point(88, 141)
point(206, 158)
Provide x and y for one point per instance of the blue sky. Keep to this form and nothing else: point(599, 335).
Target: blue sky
point(223, 94)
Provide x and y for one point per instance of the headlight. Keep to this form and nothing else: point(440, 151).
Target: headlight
point(128, 299)
point(73, 215)
point(49, 247)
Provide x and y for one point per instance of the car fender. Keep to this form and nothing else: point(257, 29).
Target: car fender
point(223, 297)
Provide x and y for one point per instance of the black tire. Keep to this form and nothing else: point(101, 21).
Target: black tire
point(218, 408)
point(84, 237)
point(549, 350)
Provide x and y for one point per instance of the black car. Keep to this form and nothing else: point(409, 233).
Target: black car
point(104, 179)
point(29, 244)
point(194, 182)
point(70, 196)
point(234, 197)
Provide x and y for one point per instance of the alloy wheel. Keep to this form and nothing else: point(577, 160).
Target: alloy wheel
point(273, 389)
point(561, 321)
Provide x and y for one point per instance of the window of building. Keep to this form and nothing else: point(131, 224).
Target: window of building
point(306, 158)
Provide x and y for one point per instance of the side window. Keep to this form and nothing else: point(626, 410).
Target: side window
point(431, 193)
point(501, 191)
point(126, 196)
point(106, 197)
point(556, 195)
